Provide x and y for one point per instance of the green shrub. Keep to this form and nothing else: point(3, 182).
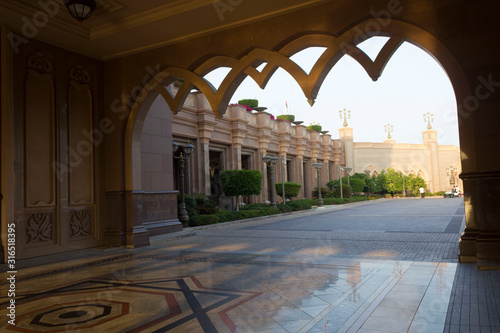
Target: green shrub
point(190, 203)
point(333, 201)
point(335, 193)
point(198, 220)
point(250, 102)
point(387, 195)
point(289, 117)
point(439, 193)
point(357, 185)
point(314, 127)
point(428, 194)
point(283, 208)
point(241, 182)
point(324, 192)
point(248, 214)
point(291, 189)
point(254, 206)
point(208, 207)
point(299, 204)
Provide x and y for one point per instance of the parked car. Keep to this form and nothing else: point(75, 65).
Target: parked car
point(452, 192)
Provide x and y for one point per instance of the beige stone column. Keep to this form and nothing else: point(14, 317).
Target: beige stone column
point(300, 133)
point(346, 136)
point(326, 142)
point(204, 147)
point(264, 129)
point(430, 140)
point(206, 123)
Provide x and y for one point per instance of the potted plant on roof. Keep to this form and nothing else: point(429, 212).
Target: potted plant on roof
point(286, 117)
point(249, 103)
point(314, 127)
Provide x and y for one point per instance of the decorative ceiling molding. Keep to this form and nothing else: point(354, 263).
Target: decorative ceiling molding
point(147, 16)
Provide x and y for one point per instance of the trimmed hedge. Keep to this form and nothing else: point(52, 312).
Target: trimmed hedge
point(256, 210)
point(289, 117)
point(252, 103)
point(314, 127)
point(357, 185)
point(241, 182)
point(324, 192)
point(291, 189)
point(301, 204)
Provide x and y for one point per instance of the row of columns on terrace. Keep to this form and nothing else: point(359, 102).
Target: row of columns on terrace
point(319, 146)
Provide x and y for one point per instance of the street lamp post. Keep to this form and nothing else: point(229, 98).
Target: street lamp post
point(283, 164)
point(451, 172)
point(185, 152)
point(348, 169)
point(340, 182)
point(271, 161)
point(404, 189)
point(318, 167)
point(367, 173)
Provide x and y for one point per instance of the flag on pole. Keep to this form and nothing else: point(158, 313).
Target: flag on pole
point(286, 106)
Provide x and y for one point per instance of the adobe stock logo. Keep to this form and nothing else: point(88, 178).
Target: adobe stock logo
point(32, 25)
point(221, 7)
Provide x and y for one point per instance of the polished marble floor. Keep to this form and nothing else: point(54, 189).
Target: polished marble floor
point(281, 274)
point(156, 291)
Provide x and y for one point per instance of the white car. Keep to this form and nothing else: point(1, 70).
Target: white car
point(452, 193)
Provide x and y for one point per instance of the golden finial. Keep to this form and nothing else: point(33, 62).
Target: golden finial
point(389, 129)
point(347, 115)
point(429, 118)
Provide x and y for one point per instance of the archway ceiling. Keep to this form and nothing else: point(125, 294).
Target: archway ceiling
point(336, 47)
point(122, 27)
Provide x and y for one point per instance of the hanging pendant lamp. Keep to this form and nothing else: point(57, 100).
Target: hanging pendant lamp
point(81, 10)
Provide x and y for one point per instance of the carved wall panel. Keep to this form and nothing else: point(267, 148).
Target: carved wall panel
point(81, 138)
point(39, 227)
point(81, 223)
point(39, 133)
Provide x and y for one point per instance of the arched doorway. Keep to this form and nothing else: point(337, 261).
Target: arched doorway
point(337, 46)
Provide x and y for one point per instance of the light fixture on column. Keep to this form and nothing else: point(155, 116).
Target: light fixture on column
point(184, 153)
point(81, 10)
point(451, 172)
point(367, 173)
point(389, 129)
point(429, 118)
point(347, 170)
point(318, 166)
point(271, 161)
point(347, 115)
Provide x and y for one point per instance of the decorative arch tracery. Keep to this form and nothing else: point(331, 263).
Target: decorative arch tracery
point(336, 48)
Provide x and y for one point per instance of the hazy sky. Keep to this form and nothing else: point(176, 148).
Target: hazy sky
point(413, 83)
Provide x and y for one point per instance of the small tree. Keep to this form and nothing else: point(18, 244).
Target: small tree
point(291, 189)
point(357, 185)
point(394, 181)
point(240, 182)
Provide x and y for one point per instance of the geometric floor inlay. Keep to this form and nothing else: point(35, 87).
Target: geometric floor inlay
point(156, 305)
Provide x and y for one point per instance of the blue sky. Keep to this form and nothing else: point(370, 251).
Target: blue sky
point(413, 83)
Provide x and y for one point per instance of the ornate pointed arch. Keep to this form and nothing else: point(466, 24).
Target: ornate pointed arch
point(373, 170)
point(279, 57)
point(336, 48)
